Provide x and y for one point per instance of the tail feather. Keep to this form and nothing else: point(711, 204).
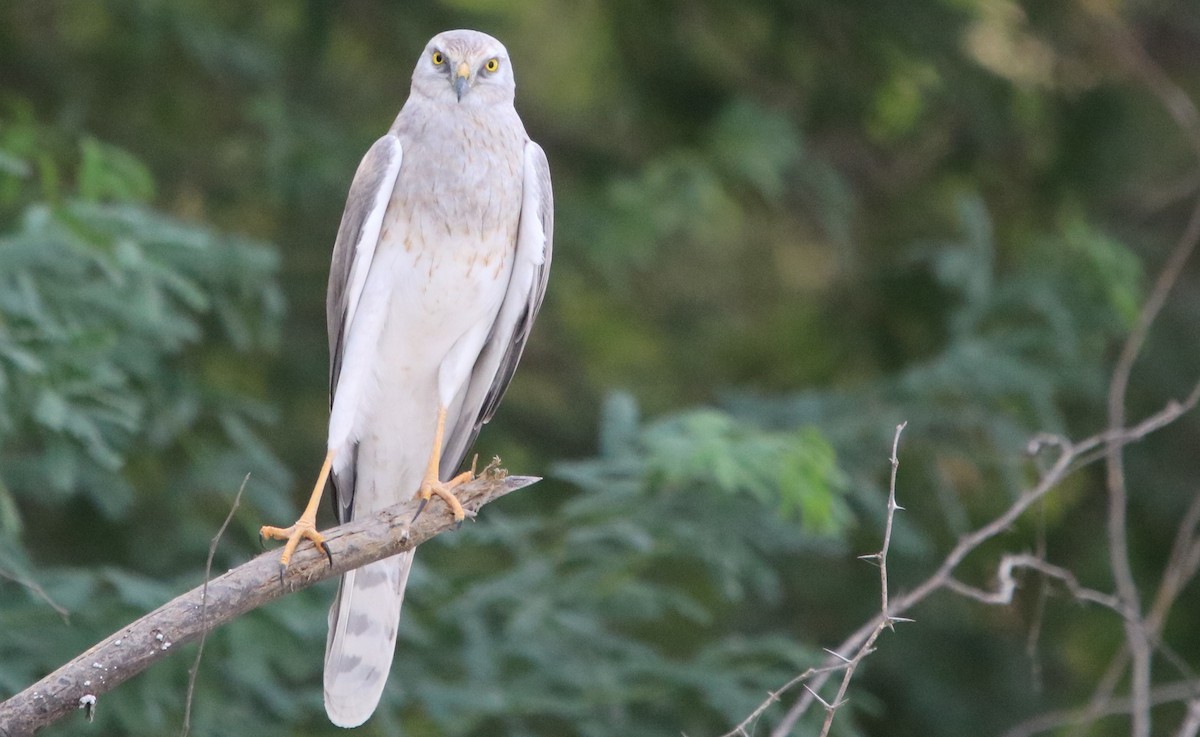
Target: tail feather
point(362, 638)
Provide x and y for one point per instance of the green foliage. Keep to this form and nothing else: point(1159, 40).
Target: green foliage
point(617, 611)
point(103, 305)
point(783, 227)
point(128, 341)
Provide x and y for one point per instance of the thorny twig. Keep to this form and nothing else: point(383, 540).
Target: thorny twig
point(836, 661)
point(1066, 462)
point(886, 619)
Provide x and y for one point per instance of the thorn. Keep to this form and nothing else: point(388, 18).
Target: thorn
point(817, 696)
point(874, 559)
point(328, 552)
point(837, 655)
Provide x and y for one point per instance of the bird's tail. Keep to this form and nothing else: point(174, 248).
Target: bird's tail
point(362, 638)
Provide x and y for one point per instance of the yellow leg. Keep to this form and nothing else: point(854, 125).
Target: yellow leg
point(432, 484)
point(306, 526)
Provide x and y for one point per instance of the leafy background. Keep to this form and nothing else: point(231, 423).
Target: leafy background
point(782, 228)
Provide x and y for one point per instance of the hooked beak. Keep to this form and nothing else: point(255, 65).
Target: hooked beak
point(462, 78)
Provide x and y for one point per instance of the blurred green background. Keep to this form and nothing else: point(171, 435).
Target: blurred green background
point(782, 228)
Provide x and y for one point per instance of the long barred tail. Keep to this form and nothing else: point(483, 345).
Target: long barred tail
point(362, 638)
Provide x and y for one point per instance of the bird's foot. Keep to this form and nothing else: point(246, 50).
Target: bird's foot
point(431, 487)
point(305, 527)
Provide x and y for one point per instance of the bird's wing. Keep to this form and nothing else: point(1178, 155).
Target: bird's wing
point(497, 361)
point(353, 254)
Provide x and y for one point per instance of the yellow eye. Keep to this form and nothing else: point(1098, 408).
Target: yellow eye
point(492, 65)
point(438, 59)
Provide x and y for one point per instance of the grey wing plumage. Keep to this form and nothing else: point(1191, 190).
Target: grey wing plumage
point(353, 253)
point(527, 286)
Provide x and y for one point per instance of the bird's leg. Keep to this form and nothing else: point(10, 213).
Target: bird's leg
point(306, 526)
point(432, 484)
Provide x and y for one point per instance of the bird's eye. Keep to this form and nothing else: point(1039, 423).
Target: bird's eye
point(438, 58)
point(492, 64)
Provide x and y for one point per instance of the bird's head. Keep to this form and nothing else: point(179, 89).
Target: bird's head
point(464, 67)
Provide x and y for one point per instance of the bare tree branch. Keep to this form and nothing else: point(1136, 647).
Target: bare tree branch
point(1136, 635)
point(1069, 459)
point(1116, 37)
point(1191, 722)
point(1181, 568)
point(1165, 694)
point(133, 648)
point(1132, 54)
point(1007, 584)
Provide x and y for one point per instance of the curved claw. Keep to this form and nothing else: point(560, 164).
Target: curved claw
point(303, 529)
point(443, 491)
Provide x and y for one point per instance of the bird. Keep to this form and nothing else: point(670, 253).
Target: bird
point(439, 268)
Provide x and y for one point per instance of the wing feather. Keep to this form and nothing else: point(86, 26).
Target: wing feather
point(527, 286)
point(353, 254)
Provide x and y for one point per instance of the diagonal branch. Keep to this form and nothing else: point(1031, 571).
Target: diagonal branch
point(135, 647)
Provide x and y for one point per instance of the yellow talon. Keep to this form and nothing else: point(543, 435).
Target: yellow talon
point(431, 485)
point(306, 526)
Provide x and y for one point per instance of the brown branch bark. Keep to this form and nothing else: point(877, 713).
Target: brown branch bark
point(137, 646)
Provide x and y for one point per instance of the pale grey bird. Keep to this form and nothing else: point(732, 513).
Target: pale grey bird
point(438, 271)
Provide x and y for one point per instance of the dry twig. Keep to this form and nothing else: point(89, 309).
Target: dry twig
point(212, 551)
point(37, 589)
point(836, 661)
point(1165, 694)
point(1070, 458)
point(1137, 638)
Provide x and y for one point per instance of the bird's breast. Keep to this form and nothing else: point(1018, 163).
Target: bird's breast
point(448, 240)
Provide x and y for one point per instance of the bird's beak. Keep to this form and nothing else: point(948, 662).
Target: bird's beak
point(462, 79)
